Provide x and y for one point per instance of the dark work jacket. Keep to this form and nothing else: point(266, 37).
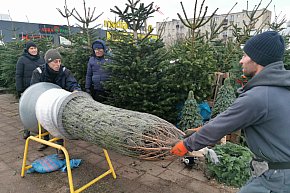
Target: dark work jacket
point(24, 68)
point(64, 78)
point(96, 74)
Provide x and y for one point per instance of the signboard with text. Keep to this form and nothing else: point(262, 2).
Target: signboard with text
point(53, 29)
point(122, 25)
point(110, 36)
point(33, 36)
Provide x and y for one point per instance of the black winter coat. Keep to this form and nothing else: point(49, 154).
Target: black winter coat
point(64, 78)
point(24, 68)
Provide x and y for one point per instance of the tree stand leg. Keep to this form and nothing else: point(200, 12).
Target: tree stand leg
point(51, 143)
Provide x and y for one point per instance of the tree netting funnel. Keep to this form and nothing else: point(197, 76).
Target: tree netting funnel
point(77, 116)
point(27, 104)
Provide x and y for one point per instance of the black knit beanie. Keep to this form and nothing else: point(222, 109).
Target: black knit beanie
point(265, 48)
point(30, 44)
point(51, 55)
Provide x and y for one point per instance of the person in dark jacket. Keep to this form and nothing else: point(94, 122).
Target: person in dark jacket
point(262, 111)
point(52, 71)
point(96, 74)
point(28, 62)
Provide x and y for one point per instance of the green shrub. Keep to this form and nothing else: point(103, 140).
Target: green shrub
point(9, 55)
point(234, 166)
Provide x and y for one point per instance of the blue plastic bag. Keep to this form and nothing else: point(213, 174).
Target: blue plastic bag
point(51, 163)
point(74, 163)
point(205, 111)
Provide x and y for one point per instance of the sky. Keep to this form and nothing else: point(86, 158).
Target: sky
point(45, 12)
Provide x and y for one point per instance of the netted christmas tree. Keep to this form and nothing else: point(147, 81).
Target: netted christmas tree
point(190, 117)
point(225, 97)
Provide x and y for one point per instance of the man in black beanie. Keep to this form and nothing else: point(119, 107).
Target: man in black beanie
point(262, 111)
point(52, 71)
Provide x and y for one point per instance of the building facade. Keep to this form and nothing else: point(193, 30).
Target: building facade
point(174, 30)
point(13, 30)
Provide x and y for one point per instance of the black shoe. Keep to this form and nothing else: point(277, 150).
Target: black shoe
point(26, 134)
point(42, 147)
point(60, 154)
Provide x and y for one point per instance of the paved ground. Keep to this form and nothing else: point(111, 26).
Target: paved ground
point(133, 175)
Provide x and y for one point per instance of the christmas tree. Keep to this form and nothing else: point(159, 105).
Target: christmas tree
point(190, 117)
point(135, 63)
point(225, 97)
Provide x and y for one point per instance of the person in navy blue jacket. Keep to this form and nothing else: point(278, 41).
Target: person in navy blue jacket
point(96, 74)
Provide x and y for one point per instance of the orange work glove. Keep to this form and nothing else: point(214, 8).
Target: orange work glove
point(179, 149)
point(189, 132)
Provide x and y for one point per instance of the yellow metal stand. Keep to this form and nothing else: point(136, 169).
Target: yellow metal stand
point(51, 143)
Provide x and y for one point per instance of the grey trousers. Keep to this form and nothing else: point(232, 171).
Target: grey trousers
point(272, 181)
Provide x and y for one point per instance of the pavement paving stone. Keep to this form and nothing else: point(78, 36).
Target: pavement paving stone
point(77, 151)
point(34, 155)
point(94, 149)
point(11, 182)
point(174, 188)
point(176, 165)
point(150, 167)
point(16, 165)
point(3, 122)
point(162, 185)
point(144, 188)
point(214, 188)
point(4, 166)
point(93, 158)
point(195, 174)
point(11, 156)
point(165, 163)
point(148, 179)
point(114, 155)
point(173, 176)
point(11, 128)
point(104, 164)
point(126, 160)
point(3, 149)
point(130, 173)
point(198, 185)
point(82, 144)
point(2, 133)
point(12, 133)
